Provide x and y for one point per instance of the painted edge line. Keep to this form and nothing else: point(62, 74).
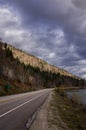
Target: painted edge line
point(19, 106)
point(33, 117)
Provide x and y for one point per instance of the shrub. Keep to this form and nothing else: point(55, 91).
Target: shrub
point(75, 99)
point(60, 91)
point(7, 87)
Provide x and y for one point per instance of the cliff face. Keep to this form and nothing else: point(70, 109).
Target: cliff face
point(36, 62)
point(21, 72)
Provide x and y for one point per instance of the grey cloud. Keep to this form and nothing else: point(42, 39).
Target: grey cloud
point(80, 3)
point(43, 19)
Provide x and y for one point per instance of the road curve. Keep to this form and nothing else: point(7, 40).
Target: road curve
point(15, 110)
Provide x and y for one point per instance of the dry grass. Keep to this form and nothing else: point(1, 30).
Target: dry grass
point(73, 114)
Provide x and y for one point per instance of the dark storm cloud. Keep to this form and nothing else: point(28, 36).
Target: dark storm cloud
point(54, 30)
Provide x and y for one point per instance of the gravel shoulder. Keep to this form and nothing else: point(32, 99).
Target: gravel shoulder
point(41, 122)
point(45, 119)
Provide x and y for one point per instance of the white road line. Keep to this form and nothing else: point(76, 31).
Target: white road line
point(19, 106)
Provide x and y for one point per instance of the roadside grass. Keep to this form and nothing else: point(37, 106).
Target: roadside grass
point(71, 112)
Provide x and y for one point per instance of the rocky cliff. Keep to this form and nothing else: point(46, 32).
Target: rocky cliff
point(22, 72)
point(35, 62)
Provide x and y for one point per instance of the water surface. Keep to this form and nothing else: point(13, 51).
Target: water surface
point(81, 94)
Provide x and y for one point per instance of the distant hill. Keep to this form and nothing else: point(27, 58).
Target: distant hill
point(21, 72)
point(35, 62)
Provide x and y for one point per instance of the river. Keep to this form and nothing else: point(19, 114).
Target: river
point(81, 94)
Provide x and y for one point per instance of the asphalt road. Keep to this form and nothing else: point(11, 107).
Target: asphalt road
point(15, 110)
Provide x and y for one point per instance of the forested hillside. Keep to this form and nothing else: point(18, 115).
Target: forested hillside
point(17, 76)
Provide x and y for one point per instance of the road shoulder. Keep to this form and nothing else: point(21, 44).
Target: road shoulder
point(45, 117)
point(41, 122)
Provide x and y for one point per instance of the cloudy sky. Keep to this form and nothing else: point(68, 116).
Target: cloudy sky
point(54, 30)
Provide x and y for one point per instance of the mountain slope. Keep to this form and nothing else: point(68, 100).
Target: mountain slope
point(22, 72)
point(35, 62)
